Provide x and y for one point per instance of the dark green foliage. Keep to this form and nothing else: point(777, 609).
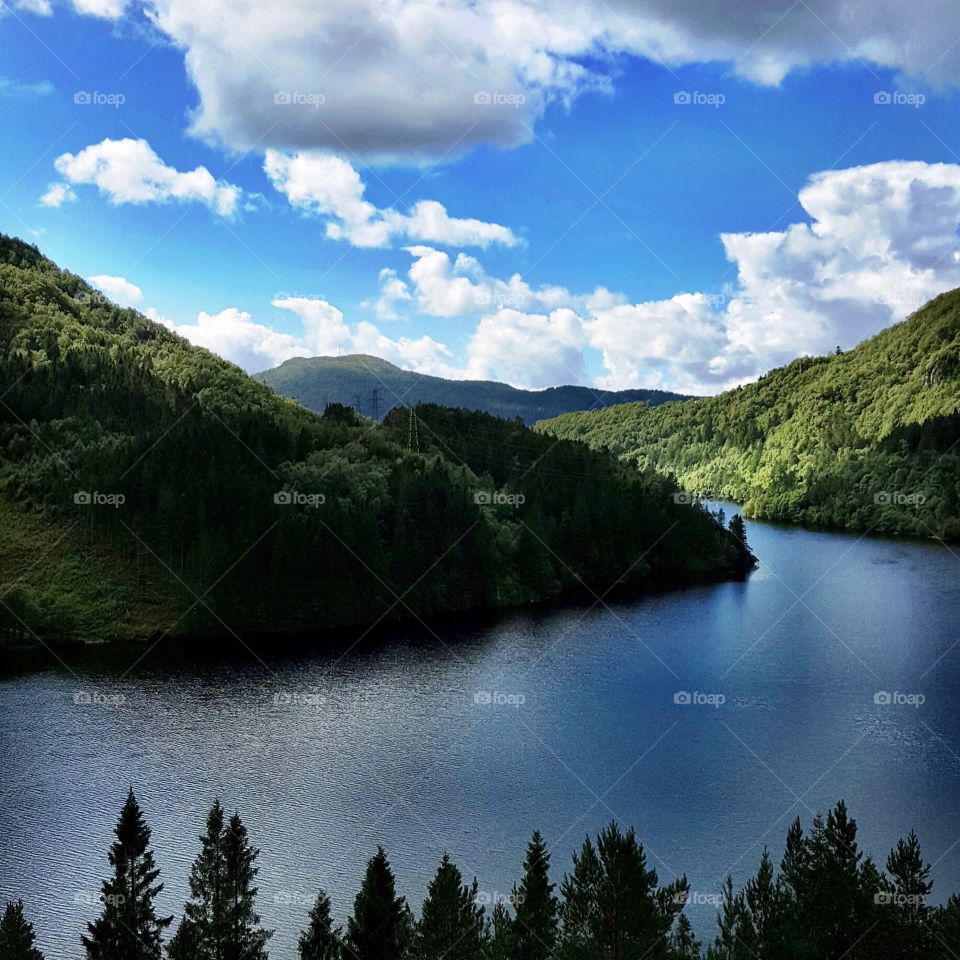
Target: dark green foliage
point(537, 909)
point(243, 511)
point(128, 927)
point(866, 439)
point(16, 935)
point(353, 381)
point(907, 891)
point(321, 940)
point(684, 944)
point(451, 925)
point(612, 906)
point(220, 921)
point(380, 928)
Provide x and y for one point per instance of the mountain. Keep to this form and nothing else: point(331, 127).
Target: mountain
point(356, 379)
point(865, 440)
point(149, 488)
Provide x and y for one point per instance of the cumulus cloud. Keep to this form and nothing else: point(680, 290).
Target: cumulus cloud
point(57, 194)
point(424, 78)
point(118, 289)
point(883, 239)
point(129, 171)
point(329, 187)
point(393, 291)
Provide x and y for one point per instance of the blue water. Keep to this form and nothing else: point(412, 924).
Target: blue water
point(327, 757)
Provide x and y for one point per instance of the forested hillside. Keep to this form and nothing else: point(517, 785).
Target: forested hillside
point(148, 487)
point(867, 440)
point(374, 387)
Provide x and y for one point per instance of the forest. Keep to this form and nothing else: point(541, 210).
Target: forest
point(149, 488)
point(374, 387)
point(827, 901)
point(867, 439)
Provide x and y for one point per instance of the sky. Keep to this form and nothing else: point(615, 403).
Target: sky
point(680, 194)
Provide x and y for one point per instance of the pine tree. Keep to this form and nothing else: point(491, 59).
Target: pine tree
point(910, 887)
point(17, 938)
point(500, 933)
point(451, 923)
point(739, 530)
point(183, 944)
point(204, 923)
point(612, 907)
point(245, 938)
point(128, 927)
point(683, 943)
point(321, 940)
point(535, 922)
point(380, 926)
point(736, 937)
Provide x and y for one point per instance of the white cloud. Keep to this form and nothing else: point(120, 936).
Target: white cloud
point(119, 289)
point(393, 291)
point(234, 336)
point(15, 88)
point(329, 187)
point(129, 171)
point(424, 78)
point(105, 9)
point(882, 241)
point(57, 194)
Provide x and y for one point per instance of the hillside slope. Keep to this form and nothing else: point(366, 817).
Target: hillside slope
point(148, 487)
point(865, 440)
point(353, 380)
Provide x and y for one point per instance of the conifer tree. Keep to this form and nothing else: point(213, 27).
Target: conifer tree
point(683, 942)
point(204, 923)
point(183, 944)
point(321, 940)
point(536, 907)
point(451, 923)
point(909, 888)
point(128, 927)
point(736, 937)
point(17, 939)
point(500, 933)
point(245, 938)
point(380, 926)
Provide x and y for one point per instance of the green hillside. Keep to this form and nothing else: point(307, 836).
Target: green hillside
point(864, 440)
point(148, 487)
point(355, 380)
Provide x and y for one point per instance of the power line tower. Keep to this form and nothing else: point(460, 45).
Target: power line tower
point(413, 434)
point(375, 403)
point(358, 402)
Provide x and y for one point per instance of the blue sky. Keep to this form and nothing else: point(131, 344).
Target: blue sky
point(264, 229)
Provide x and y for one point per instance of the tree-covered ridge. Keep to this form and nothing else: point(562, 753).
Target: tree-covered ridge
point(827, 901)
point(867, 440)
point(173, 493)
point(374, 387)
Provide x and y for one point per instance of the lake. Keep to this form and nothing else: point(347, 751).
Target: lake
point(552, 718)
